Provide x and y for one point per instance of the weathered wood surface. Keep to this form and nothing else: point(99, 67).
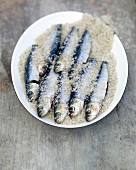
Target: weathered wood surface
point(28, 144)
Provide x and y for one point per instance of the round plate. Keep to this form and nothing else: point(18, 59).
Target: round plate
point(27, 39)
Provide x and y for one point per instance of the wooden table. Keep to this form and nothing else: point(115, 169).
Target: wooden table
point(28, 144)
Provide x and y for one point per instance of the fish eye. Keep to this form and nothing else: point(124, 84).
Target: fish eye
point(58, 113)
point(40, 107)
point(71, 109)
point(30, 93)
point(43, 67)
point(58, 64)
point(88, 110)
point(72, 71)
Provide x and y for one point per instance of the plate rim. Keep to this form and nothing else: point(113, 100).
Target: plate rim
point(46, 121)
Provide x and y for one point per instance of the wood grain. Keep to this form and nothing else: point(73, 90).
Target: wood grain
point(28, 144)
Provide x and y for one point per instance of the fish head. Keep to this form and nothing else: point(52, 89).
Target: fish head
point(71, 71)
point(59, 65)
point(43, 106)
point(92, 110)
point(76, 107)
point(60, 113)
point(32, 91)
point(41, 69)
point(44, 69)
point(42, 111)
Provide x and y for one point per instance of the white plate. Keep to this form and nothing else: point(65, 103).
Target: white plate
point(27, 39)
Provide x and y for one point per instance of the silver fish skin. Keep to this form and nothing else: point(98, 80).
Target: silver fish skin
point(53, 43)
point(47, 90)
point(81, 53)
point(31, 76)
point(96, 97)
point(61, 99)
point(77, 96)
point(66, 49)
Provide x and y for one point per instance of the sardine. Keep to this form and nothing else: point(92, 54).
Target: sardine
point(47, 90)
point(31, 76)
point(66, 49)
point(77, 97)
point(96, 97)
point(81, 53)
point(61, 99)
point(53, 43)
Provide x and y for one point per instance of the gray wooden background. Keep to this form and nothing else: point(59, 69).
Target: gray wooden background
point(28, 144)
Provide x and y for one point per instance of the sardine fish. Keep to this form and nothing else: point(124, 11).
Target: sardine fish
point(77, 97)
point(96, 97)
point(31, 76)
point(81, 53)
point(66, 50)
